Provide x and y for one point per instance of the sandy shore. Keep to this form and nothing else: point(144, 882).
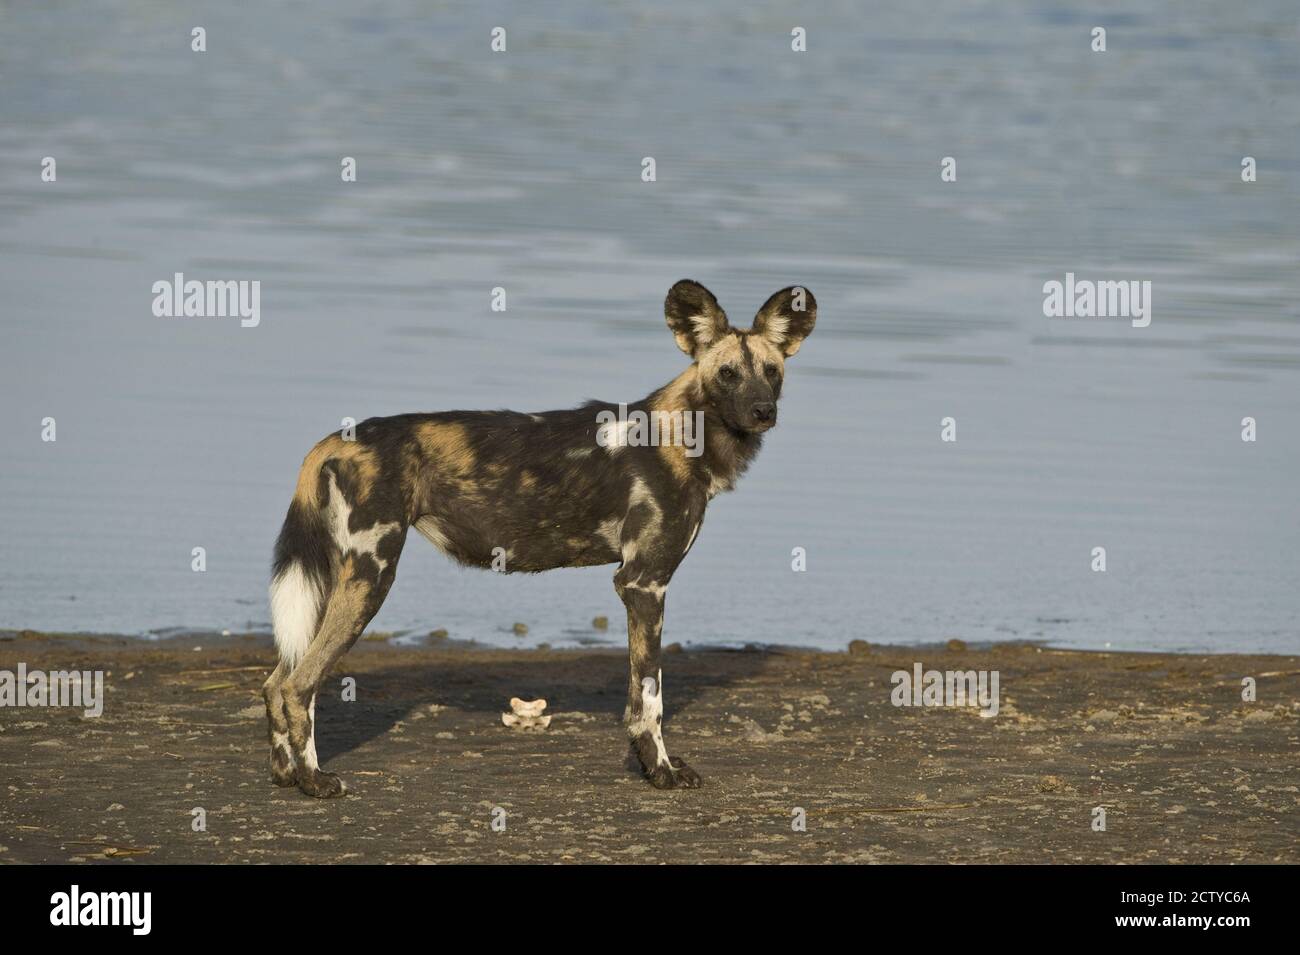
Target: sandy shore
point(1185, 771)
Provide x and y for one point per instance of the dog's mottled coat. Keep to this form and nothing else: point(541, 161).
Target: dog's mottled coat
point(538, 491)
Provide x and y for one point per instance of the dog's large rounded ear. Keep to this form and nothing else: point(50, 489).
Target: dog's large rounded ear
point(695, 317)
point(787, 318)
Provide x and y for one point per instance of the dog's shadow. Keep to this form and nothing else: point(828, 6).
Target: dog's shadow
point(591, 683)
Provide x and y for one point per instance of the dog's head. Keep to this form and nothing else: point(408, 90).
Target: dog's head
point(740, 371)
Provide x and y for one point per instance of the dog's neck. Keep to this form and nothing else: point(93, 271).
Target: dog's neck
point(726, 451)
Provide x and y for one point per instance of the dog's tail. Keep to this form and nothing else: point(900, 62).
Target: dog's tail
point(301, 571)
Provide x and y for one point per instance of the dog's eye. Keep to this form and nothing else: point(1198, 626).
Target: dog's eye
point(769, 370)
point(727, 373)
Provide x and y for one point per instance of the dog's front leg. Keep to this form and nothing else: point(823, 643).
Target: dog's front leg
point(645, 700)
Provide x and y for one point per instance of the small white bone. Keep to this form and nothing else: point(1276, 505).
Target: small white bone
point(525, 722)
point(526, 715)
point(527, 707)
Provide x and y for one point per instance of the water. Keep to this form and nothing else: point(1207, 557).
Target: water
point(523, 170)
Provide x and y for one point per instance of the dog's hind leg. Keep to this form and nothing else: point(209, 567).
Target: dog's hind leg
point(284, 769)
point(359, 589)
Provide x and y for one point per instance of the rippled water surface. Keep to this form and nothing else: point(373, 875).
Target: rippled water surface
point(522, 170)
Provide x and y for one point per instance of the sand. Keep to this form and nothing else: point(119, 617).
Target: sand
point(1184, 769)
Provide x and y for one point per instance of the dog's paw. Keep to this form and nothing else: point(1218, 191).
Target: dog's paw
point(283, 770)
point(285, 779)
point(321, 785)
point(685, 776)
point(675, 775)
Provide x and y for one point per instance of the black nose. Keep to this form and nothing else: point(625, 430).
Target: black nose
point(764, 410)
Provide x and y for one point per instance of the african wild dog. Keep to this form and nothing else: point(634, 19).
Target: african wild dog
point(546, 488)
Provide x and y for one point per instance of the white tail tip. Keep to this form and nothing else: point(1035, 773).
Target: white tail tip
point(295, 609)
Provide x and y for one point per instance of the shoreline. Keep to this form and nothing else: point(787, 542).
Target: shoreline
point(413, 640)
point(1163, 743)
